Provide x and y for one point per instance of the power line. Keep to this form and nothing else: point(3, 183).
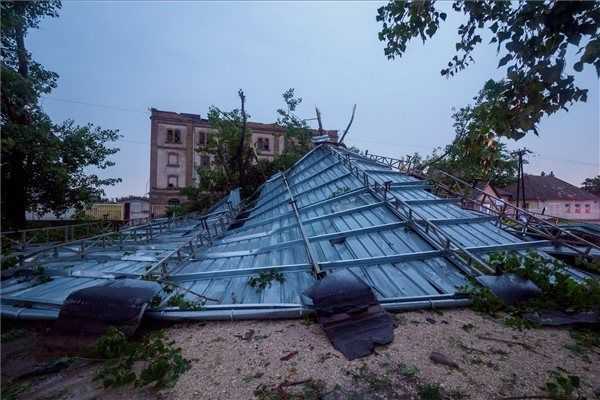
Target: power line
point(85, 103)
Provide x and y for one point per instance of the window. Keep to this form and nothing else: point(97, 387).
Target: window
point(173, 202)
point(527, 206)
point(204, 161)
point(568, 208)
point(262, 144)
point(173, 160)
point(173, 136)
point(588, 208)
point(577, 208)
point(173, 182)
point(201, 138)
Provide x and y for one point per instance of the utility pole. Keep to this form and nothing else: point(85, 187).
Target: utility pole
point(520, 178)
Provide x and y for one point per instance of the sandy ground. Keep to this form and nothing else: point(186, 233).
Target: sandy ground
point(230, 360)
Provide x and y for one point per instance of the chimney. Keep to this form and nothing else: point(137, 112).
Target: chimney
point(551, 173)
point(542, 173)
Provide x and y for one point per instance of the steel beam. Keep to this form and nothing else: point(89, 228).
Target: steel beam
point(509, 246)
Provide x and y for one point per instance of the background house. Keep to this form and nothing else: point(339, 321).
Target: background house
point(548, 195)
point(174, 161)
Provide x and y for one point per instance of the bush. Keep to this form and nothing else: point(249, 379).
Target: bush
point(163, 363)
point(560, 291)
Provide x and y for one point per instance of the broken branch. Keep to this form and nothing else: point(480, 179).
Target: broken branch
point(319, 121)
point(349, 124)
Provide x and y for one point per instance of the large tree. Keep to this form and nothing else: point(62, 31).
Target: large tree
point(532, 39)
point(476, 154)
point(44, 165)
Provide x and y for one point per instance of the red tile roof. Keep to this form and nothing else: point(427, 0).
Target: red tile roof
point(549, 187)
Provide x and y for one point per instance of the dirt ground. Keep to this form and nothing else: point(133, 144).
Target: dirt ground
point(270, 359)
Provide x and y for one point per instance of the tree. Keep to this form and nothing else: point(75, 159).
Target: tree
point(235, 162)
point(475, 154)
point(532, 39)
point(592, 184)
point(297, 137)
point(43, 163)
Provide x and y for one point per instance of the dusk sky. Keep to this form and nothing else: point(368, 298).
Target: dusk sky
point(118, 59)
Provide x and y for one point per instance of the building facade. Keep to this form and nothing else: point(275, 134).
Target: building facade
point(174, 159)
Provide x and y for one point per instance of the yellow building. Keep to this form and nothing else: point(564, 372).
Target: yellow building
point(107, 211)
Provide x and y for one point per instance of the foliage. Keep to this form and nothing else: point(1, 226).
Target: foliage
point(559, 290)
point(175, 210)
point(297, 136)
point(12, 334)
point(224, 148)
point(585, 340)
point(429, 392)
point(340, 191)
point(310, 390)
point(163, 363)
point(408, 371)
point(7, 260)
point(40, 274)
point(182, 303)
point(265, 279)
point(531, 37)
point(592, 184)
point(14, 391)
point(483, 300)
point(476, 154)
point(592, 265)
point(562, 386)
point(45, 166)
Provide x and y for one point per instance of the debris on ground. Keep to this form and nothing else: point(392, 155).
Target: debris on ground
point(496, 361)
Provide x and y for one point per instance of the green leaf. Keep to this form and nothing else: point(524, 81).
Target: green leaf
point(504, 60)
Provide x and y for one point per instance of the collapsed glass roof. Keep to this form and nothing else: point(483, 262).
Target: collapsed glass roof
point(333, 211)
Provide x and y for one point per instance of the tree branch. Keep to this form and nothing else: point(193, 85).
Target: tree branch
point(319, 121)
point(240, 152)
point(349, 124)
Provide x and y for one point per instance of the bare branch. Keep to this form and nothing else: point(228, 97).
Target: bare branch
point(349, 124)
point(319, 121)
point(240, 152)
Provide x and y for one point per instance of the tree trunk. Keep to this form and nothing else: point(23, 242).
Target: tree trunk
point(14, 181)
point(13, 193)
point(241, 153)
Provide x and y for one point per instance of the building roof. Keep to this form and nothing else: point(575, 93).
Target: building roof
point(324, 210)
point(549, 187)
point(256, 126)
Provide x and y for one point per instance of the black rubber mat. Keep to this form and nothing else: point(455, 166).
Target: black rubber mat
point(350, 314)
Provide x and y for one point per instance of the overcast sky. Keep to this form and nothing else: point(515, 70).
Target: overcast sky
point(117, 59)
